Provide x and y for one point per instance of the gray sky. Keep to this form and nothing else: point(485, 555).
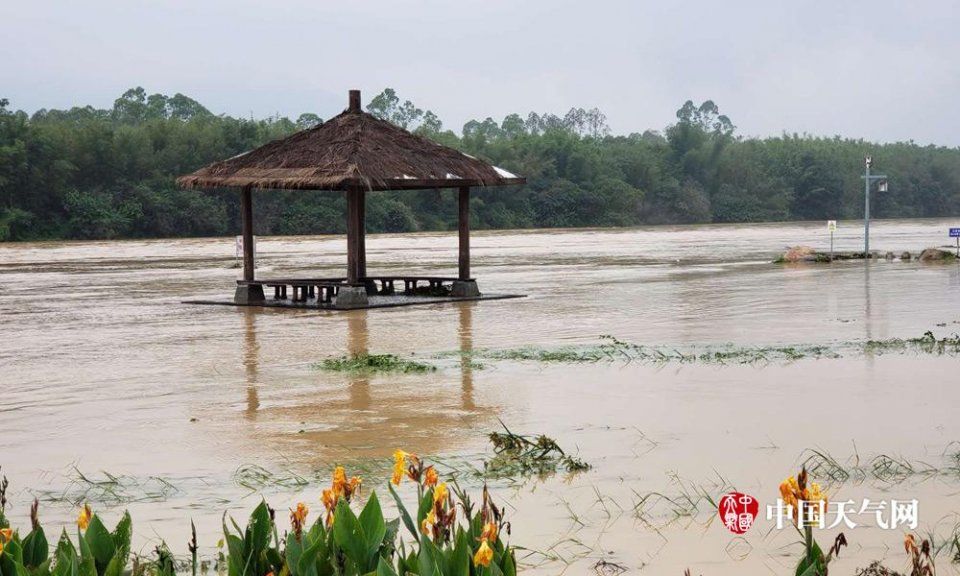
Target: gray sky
point(878, 70)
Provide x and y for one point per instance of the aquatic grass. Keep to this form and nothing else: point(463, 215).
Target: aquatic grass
point(612, 349)
point(108, 489)
point(883, 468)
point(254, 477)
point(686, 499)
point(374, 363)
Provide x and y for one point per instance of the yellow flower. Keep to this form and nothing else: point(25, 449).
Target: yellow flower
point(430, 476)
point(483, 556)
point(428, 522)
point(355, 483)
point(329, 499)
point(489, 533)
point(399, 466)
point(299, 515)
point(6, 535)
point(815, 494)
point(83, 519)
point(440, 493)
point(339, 481)
point(909, 544)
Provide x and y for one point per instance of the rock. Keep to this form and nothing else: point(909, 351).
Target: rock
point(798, 254)
point(935, 255)
point(905, 256)
point(889, 256)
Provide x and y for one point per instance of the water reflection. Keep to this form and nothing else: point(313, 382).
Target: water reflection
point(251, 361)
point(358, 343)
point(326, 416)
point(466, 363)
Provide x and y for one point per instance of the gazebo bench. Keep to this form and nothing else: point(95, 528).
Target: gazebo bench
point(324, 289)
point(300, 289)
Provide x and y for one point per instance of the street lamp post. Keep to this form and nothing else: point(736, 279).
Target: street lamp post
point(867, 180)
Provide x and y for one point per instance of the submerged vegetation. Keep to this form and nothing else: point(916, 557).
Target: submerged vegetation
point(374, 363)
point(88, 172)
point(518, 455)
point(612, 349)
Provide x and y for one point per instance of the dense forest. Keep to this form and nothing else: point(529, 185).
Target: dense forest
point(109, 173)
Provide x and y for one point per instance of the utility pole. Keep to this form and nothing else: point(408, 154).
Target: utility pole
point(867, 180)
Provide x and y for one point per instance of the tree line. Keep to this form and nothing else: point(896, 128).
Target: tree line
point(109, 173)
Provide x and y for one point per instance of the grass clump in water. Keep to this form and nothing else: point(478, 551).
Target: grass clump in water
point(611, 349)
point(374, 363)
point(518, 455)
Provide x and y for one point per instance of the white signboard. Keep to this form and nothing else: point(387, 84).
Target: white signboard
point(831, 225)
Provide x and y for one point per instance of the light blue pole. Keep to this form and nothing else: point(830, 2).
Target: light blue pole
point(866, 209)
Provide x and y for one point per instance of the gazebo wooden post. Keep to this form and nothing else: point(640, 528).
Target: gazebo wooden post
point(465, 286)
point(245, 292)
point(246, 217)
point(354, 294)
point(464, 221)
point(353, 255)
point(361, 234)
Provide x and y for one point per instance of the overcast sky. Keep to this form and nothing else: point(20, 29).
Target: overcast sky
point(878, 70)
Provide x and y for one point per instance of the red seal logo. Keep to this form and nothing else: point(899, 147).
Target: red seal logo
point(738, 511)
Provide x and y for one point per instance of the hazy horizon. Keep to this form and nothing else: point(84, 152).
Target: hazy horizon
point(879, 71)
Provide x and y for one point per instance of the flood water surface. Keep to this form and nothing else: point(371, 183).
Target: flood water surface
point(194, 410)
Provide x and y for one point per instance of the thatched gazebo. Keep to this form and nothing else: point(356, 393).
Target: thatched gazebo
point(356, 153)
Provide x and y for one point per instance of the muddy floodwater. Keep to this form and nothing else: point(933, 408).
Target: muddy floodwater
point(194, 410)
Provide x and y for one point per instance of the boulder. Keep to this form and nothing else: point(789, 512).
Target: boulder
point(889, 256)
point(935, 255)
point(905, 256)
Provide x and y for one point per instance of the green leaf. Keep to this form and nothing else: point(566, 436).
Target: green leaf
point(294, 550)
point(509, 563)
point(374, 528)
point(348, 534)
point(426, 503)
point(428, 560)
point(315, 552)
point(404, 515)
point(385, 569)
point(14, 551)
point(258, 530)
point(86, 565)
point(35, 548)
point(100, 542)
point(121, 539)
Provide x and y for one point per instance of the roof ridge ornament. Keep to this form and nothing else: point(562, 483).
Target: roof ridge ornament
point(354, 106)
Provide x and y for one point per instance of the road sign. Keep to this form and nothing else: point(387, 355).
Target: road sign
point(955, 232)
point(831, 225)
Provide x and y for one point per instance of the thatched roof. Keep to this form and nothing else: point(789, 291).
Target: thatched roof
point(354, 150)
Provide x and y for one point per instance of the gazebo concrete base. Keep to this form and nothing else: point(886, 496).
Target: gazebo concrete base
point(389, 301)
point(351, 297)
point(465, 289)
point(248, 295)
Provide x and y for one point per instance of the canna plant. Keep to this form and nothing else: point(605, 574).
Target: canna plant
point(101, 552)
point(807, 503)
point(447, 537)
